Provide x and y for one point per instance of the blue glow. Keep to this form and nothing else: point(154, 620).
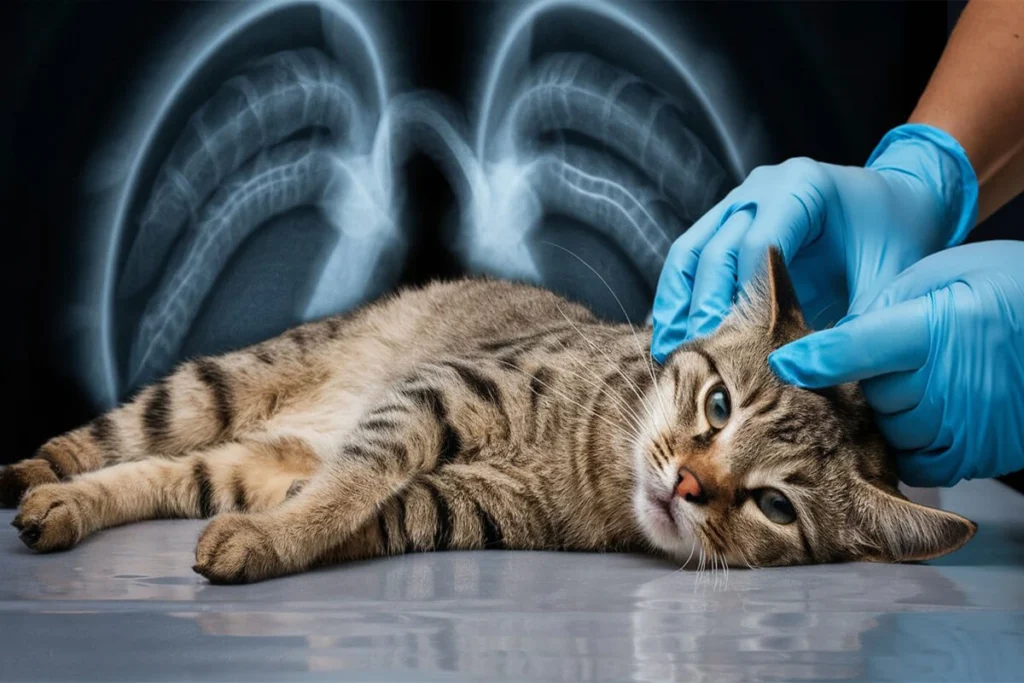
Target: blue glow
point(241, 127)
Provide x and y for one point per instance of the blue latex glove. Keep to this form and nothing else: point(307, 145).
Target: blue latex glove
point(940, 356)
point(844, 231)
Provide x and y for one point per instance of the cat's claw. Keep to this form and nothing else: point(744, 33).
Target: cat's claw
point(235, 549)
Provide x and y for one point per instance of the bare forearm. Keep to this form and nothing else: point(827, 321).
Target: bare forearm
point(977, 95)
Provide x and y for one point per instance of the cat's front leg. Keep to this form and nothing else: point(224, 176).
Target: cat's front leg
point(239, 548)
point(458, 507)
point(472, 506)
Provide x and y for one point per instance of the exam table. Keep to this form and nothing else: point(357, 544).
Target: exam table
point(125, 606)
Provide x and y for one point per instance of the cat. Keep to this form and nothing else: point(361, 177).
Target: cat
point(488, 414)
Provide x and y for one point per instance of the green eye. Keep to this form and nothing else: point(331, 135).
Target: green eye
point(775, 506)
point(716, 407)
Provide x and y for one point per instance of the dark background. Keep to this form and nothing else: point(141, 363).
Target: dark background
point(828, 79)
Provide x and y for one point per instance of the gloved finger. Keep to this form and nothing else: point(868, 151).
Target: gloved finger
point(714, 285)
point(930, 274)
point(894, 339)
point(876, 263)
point(895, 392)
point(671, 308)
point(874, 272)
point(939, 467)
point(789, 223)
point(915, 429)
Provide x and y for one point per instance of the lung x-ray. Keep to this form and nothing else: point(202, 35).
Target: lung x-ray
point(268, 155)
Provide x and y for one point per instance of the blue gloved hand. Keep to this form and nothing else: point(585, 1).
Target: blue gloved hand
point(940, 357)
point(844, 232)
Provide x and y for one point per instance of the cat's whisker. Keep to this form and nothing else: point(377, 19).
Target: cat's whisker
point(629, 382)
point(746, 561)
point(600, 384)
point(632, 435)
point(637, 422)
point(823, 310)
point(700, 568)
point(693, 546)
point(715, 554)
point(630, 413)
point(619, 399)
point(644, 353)
point(632, 385)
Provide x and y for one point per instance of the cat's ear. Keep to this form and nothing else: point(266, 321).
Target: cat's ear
point(786, 319)
point(893, 529)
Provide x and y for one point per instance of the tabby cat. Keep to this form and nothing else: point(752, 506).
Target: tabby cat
point(486, 414)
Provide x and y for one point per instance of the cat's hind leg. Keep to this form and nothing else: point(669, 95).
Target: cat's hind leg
point(238, 477)
point(203, 403)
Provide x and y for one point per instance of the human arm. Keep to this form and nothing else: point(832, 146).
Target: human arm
point(846, 231)
point(976, 94)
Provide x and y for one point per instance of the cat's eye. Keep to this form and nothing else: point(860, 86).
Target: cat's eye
point(775, 506)
point(717, 408)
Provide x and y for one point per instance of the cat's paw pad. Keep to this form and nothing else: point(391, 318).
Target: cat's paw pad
point(236, 549)
point(50, 518)
point(18, 478)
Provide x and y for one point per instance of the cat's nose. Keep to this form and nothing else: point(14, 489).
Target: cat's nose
point(689, 487)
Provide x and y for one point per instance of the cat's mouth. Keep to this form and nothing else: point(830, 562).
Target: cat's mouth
point(665, 520)
point(664, 512)
point(667, 506)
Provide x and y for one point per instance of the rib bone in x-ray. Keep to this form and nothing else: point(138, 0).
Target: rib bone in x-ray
point(259, 184)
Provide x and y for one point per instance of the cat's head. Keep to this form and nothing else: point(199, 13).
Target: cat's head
point(758, 472)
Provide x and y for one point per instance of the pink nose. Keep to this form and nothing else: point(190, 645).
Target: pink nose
point(689, 487)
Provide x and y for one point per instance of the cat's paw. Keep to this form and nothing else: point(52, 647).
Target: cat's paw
point(236, 549)
point(18, 478)
point(50, 518)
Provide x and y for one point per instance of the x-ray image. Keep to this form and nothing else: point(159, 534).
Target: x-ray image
point(594, 139)
point(206, 175)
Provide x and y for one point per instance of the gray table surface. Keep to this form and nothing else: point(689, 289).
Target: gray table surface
point(126, 606)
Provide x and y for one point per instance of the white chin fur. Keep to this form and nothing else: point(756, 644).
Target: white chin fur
point(662, 531)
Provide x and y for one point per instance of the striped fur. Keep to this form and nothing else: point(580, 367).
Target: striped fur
point(467, 415)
